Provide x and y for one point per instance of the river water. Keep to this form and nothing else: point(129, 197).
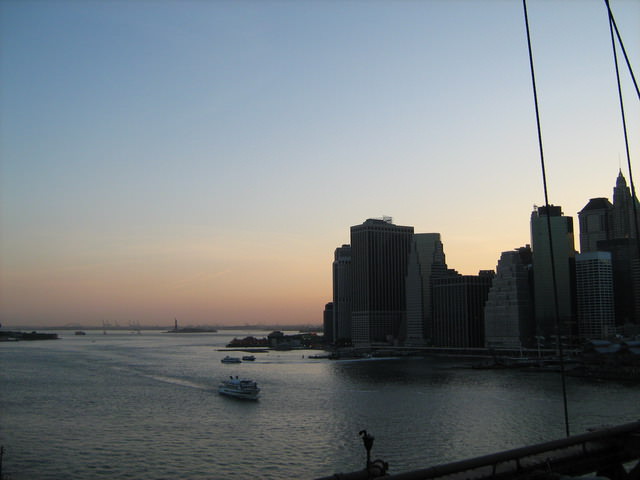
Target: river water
point(128, 406)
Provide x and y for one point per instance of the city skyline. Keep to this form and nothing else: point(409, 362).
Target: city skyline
point(203, 160)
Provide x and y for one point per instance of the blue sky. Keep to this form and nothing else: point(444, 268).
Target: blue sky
point(202, 159)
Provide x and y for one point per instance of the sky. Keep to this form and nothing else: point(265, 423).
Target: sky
point(202, 160)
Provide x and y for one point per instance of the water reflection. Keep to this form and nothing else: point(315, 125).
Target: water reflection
point(145, 406)
point(395, 371)
point(453, 410)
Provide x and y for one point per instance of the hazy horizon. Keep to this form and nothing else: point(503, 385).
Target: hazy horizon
point(203, 160)
point(169, 326)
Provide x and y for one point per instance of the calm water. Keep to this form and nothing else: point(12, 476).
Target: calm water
point(121, 406)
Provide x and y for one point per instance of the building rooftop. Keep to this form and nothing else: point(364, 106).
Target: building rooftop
point(599, 203)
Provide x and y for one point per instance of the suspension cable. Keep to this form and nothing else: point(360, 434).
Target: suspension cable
point(624, 121)
point(546, 201)
point(612, 21)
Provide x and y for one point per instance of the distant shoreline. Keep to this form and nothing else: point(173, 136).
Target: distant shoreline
point(210, 328)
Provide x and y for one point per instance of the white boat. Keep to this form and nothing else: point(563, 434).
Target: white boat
point(319, 355)
point(239, 388)
point(229, 359)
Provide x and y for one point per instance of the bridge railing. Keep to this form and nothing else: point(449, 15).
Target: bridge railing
point(603, 451)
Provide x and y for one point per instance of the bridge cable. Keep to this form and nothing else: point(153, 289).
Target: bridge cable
point(624, 121)
point(612, 22)
point(546, 201)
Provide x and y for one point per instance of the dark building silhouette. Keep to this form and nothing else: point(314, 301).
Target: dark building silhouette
point(342, 294)
point(458, 309)
point(564, 267)
point(634, 329)
point(624, 255)
point(327, 323)
point(625, 208)
point(612, 227)
point(626, 258)
point(596, 224)
point(379, 254)
point(426, 259)
point(413, 329)
point(508, 312)
point(595, 300)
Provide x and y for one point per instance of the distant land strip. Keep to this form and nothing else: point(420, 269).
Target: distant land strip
point(261, 327)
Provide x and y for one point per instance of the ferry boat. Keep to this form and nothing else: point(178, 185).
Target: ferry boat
point(229, 359)
point(239, 388)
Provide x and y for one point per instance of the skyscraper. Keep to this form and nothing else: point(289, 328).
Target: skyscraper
point(508, 312)
point(425, 260)
point(458, 309)
point(564, 267)
point(413, 333)
point(379, 254)
point(624, 225)
point(328, 323)
point(606, 227)
point(596, 224)
point(342, 295)
point(594, 288)
point(624, 256)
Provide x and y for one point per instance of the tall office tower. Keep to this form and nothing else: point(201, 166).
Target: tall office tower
point(508, 312)
point(342, 292)
point(596, 224)
point(414, 331)
point(426, 258)
point(635, 276)
point(594, 288)
point(327, 324)
point(458, 309)
point(379, 254)
point(626, 294)
point(564, 267)
point(624, 225)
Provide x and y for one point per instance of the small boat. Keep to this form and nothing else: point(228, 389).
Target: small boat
point(249, 358)
point(229, 359)
point(239, 388)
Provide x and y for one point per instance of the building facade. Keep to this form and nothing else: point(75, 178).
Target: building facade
point(328, 323)
point(425, 260)
point(414, 329)
point(342, 295)
point(626, 210)
point(594, 288)
point(612, 227)
point(379, 257)
point(556, 249)
point(508, 312)
point(624, 255)
point(458, 309)
point(596, 224)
